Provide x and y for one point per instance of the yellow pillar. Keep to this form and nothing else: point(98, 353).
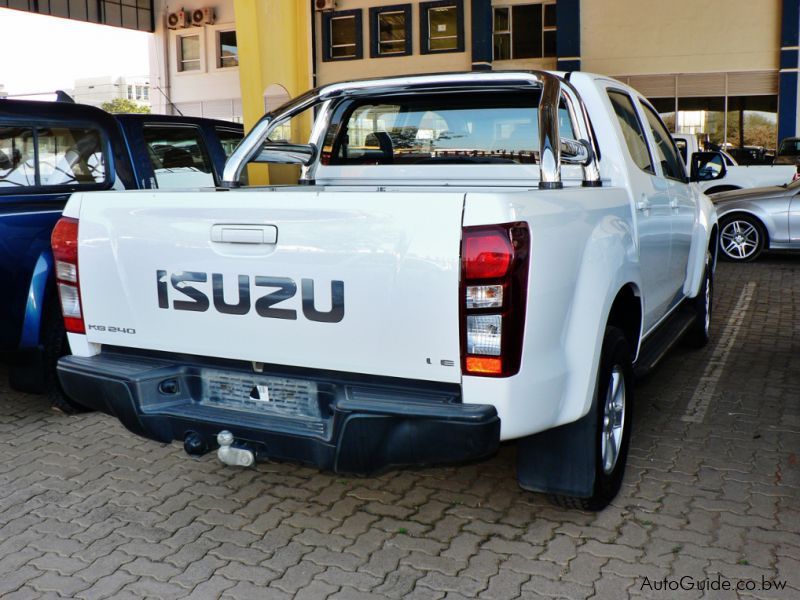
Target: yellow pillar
point(274, 39)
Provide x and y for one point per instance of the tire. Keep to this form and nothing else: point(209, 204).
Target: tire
point(698, 334)
point(54, 340)
point(741, 238)
point(613, 398)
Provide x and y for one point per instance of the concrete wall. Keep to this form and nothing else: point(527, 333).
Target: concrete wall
point(342, 70)
point(211, 91)
point(635, 37)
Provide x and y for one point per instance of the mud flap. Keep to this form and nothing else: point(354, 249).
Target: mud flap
point(560, 460)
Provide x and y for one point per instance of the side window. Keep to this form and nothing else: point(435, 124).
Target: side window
point(229, 139)
point(70, 155)
point(631, 130)
point(67, 156)
point(668, 157)
point(179, 156)
point(17, 158)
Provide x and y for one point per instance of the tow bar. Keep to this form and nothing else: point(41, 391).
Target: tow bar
point(228, 454)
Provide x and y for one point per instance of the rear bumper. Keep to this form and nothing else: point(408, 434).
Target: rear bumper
point(347, 423)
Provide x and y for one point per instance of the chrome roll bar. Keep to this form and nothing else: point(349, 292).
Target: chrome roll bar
point(553, 149)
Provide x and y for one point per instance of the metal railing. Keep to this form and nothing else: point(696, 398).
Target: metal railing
point(553, 149)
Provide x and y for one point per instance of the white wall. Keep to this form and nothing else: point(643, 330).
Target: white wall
point(211, 91)
point(97, 90)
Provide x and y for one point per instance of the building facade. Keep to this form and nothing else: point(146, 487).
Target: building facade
point(194, 60)
point(98, 90)
point(725, 68)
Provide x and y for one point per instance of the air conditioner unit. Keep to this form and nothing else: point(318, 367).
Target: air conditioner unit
point(178, 19)
point(202, 16)
point(322, 5)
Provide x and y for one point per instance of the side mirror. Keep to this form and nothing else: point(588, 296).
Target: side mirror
point(707, 166)
point(284, 153)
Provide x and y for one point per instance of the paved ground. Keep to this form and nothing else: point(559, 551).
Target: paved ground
point(712, 495)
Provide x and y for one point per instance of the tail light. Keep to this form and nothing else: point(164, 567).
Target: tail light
point(494, 283)
point(65, 252)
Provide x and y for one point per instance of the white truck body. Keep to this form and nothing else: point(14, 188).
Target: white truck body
point(382, 245)
point(737, 176)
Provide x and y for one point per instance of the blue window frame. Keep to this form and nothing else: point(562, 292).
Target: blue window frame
point(342, 35)
point(441, 26)
point(390, 30)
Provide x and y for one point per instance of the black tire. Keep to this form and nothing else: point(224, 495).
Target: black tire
point(54, 340)
point(749, 245)
point(615, 359)
point(698, 334)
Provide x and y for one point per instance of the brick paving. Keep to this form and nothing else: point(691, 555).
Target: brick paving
point(87, 510)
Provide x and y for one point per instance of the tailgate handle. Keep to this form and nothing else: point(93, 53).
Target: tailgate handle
point(244, 234)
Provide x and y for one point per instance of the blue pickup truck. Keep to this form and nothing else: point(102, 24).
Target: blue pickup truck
point(49, 150)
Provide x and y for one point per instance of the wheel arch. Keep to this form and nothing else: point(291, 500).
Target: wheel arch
point(40, 291)
point(626, 314)
point(721, 188)
point(713, 245)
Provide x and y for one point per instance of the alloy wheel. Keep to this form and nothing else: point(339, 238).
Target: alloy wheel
point(740, 239)
point(613, 420)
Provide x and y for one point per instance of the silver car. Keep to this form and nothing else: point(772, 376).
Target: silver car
point(757, 219)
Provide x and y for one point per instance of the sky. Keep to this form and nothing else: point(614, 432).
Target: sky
point(44, 54)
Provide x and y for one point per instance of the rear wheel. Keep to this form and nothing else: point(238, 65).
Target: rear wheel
point(54, 339)
point(612, 406)
point(741, 238)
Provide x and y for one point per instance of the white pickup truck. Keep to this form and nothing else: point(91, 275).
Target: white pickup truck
point(467, 259)
point(719, 171)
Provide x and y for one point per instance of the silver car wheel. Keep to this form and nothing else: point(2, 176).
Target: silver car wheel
point(740, 239)
point(613, 420)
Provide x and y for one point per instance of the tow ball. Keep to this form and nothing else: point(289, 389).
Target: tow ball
point(230, 455)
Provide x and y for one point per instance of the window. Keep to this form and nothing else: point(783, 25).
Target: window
point(227, 50)
point(524, 31)
point(484, 129)
point(178, 156)
point(631, 130)
point(66, 156)
point(668, 157)
point(341, 35)
point(188, 53)
point(442, 26)
point(130, 92)
point(229, 138)
point(17, 158)
point(390, 30)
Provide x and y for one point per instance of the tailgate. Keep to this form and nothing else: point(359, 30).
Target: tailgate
point(365, 282)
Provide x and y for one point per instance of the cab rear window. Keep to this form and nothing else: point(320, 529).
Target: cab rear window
point(56, 157)
point(441, 129)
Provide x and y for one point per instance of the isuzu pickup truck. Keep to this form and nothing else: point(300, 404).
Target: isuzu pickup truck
point(719, 171)
point(49, 150)
point(466, 259)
